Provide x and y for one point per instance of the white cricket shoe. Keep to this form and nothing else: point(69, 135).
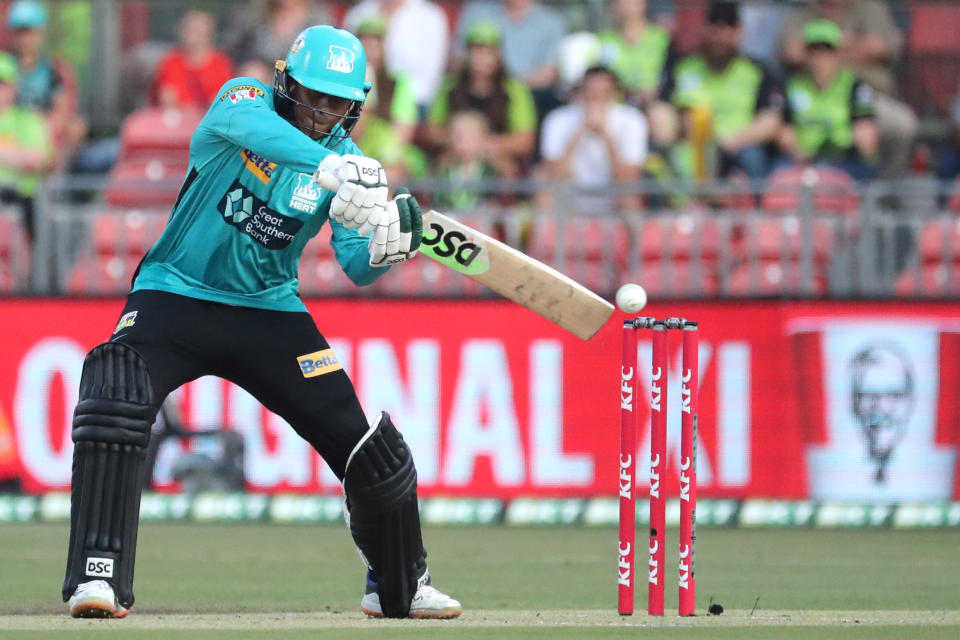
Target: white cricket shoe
point(426, 603)
point(96, 599)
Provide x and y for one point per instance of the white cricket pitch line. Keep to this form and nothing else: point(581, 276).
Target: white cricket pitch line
point(484, 618)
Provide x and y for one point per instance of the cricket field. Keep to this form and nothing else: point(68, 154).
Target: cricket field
point(305, 581)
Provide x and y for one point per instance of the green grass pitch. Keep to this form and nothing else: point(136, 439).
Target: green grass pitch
point(303, 581)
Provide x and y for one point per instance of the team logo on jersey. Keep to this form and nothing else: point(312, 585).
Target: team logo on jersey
point(240, 93)
point(318, 363)
point(126, 320)
point(306, 195)
point(258, 165)
point(252, 216)
point(341, 59)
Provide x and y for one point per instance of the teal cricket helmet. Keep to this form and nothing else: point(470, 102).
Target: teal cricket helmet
point(327, 60)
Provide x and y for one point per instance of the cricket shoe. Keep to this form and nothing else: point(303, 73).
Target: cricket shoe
point(96, 599)
point(426, 603)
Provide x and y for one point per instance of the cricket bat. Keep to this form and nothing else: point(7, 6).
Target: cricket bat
point(514, 275)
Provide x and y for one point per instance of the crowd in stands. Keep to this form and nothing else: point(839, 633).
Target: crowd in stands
point(476, 90)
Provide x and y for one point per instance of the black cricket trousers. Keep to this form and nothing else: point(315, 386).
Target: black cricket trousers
point(279, 357)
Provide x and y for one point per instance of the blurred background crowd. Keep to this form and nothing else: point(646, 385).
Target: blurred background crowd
point(691, 139)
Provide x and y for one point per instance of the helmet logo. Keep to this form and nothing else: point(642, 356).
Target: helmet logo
point(297, 44)
point(341, 59)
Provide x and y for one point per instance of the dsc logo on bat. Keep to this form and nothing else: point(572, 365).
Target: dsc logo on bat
point(455, 249)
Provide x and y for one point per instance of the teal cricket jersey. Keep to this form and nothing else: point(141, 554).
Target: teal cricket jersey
point(247, 208)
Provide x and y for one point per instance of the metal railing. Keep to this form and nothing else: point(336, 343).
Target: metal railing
point(714, 240)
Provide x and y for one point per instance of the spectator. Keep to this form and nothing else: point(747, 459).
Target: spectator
point(386, 126)
point(26, 151)
point(948, 166)
point(464, 164)
point(638, 51)
point(261, 32)
point(416, 43)
point(595, 142)
point(531, 35)
point(761, 27)
point(829, 112)
point(483, 85)
point(740, 95)
point(45, 84)
point(189, 76)
point(871, 47)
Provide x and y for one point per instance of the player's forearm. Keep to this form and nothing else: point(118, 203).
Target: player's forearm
point(261, 130)
point(353, 256)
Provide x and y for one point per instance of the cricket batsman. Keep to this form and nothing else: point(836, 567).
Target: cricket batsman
point(218, 295)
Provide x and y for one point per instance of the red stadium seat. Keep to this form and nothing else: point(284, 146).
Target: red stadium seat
point(773, 278)
point(127, 232)
point(930, 279)
point(678, 236)
point(674, 279)
point(783, 237)
point(152, 132)
point(145, 183)
point(933, 56)
point(939, 240)
point(14, 253)
point(102, 274)
point(834, 191)
point(589, 239)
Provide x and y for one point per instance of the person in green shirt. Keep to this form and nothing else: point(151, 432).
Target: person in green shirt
point(386, 126)
point(482, 84)
point(742, 98)
point(638, 51)
point(830, 112)
point(26, 152)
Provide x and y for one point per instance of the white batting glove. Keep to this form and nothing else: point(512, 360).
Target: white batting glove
point(398, 237)
point(361, 190)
